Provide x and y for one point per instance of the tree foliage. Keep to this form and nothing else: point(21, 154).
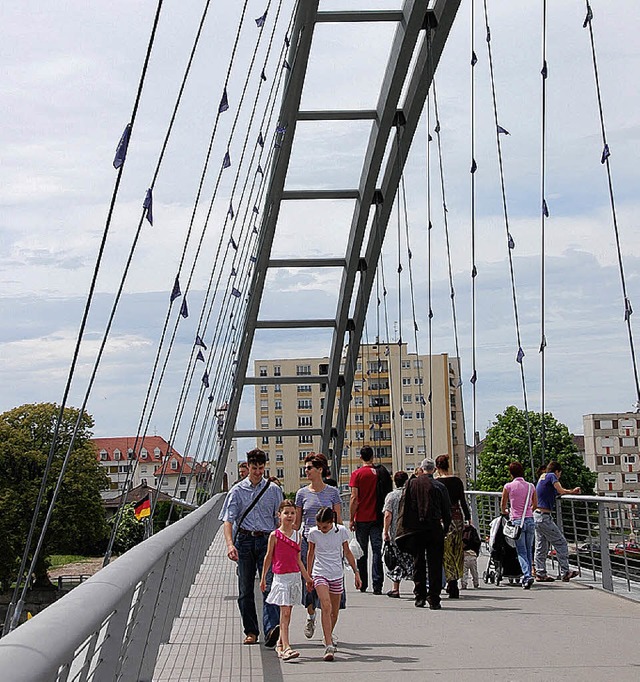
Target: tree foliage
point(78, 523)
point(130, 531)
point(507, 440)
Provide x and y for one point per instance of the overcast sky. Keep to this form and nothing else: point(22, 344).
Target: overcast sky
point(70, 73)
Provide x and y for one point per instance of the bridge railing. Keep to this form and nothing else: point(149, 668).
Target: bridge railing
point(111, 626)
point(600, 531)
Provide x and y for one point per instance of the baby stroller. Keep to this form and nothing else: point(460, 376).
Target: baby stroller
point(503, 558)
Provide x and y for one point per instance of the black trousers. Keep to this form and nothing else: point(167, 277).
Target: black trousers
point(429, 553)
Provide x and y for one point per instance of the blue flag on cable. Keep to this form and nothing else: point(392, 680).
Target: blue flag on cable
point(123, 144)
point(234, 246)
point(474, 166)
point(255, 210)
point(263, 75)
point(605, 154)
point(286, 41)
point(543, 343)
point(230, 212)
point(474, 377)
point(200, 342)
point(474, 271)
point(512, 244)
point(286, 65)
point(260, 20)
point(205, 379)
point(589, 16)
point(200, 356)
point(503, 131)
point(175, 292)
point(260, 171)
point(210, 398)
point(545, 208)
point(226, 162)
point(148, 206)
point(474, 58)
point(628, 310)
point(281, 129)
point(224, 102)
point(252, 259)
point(488, 34)
point(236, 292)
point(545, 70)
point(260, 139)
point(520, 355)
point(255, 230)
point(184, 310)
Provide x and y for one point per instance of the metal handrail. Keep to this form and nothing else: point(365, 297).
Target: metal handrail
point(592, 525)
point(111, 626)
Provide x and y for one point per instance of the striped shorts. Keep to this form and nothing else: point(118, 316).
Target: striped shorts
point(335, 586)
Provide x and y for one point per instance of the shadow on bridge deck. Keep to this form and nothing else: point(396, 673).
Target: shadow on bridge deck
point(555, 631)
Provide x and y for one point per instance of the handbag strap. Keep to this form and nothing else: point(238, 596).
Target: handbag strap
point(526, 505)
point(249, 508)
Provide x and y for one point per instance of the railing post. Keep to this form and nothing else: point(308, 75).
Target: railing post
point(110, 649)
point(475, 519)
point(605, 557)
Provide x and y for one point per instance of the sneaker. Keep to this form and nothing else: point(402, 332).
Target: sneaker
point(545, 579)
point(568, 575)
point(420, 602)
point(526, 584)
point(329, 653)
point(310, 627)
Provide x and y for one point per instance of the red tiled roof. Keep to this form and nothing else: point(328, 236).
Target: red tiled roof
point(150, 443)
point(188, 466)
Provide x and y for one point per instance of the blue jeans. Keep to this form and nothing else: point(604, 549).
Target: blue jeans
point(251, 553)
point(524, 547)
point(370, 531)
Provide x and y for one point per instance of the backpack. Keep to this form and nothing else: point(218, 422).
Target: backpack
point(471, 539)
point(384, 485)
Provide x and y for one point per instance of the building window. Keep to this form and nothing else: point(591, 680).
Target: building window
point(406, 381)
point(157, 452)
point(359, 435)
point(407, 398)
point(303, 453)
point(419, 415)
point(406, 364)
point(304, 388)
point(607, 459)
point(417, 364)
point(174, 465)
point(264, 389)
point(303, 370)
point(130, 453)
point(420, 433)
point(276, 370)
point(631, 478)
point(407, 415)
point(408, 433)
point(263, 370)
point(344, 471)
point(183, 480)
point(627, 459)
point(422, 450)
point(304, 404)
point(278, 422)
point(303, 473)
point(628, 442)
point(277, 388)
point(264, 422)
point(116, 454)
point(279, 473)
point(419, 381)
point(358, 401)
point(408, 449)
point(264, 405)
point(279, 456)
point(305, 438)
point(265, 440)
point(278, 405)
point(358, 417)
point(605, 424)
point(103, 455)
point(278, 440)
point(418, 398)
point(143, 453)
point(304, 420)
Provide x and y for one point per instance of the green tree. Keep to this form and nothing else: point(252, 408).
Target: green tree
point(130, 531)
point(507, 441)
point(78, 523)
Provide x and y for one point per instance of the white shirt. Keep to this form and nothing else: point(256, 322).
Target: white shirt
point(328, 552)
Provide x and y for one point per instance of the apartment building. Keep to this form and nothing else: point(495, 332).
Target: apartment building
point(611, 450)
point(393, 392)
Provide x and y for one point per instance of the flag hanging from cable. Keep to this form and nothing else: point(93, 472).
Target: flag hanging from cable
point(175, 292)
point(123, 145)
point(148, 206)
point(230, 212)
point(503, 131)
point(589, 16)
point(605, 154)
point(184, 310)
point(260, 20)
point(224, 102)
point(260, 139)
point(200, 356)
point(235, 292)
point(143, 508)
point(200, 342)
point(520, 356)
point(226, 162)
point(205, 379)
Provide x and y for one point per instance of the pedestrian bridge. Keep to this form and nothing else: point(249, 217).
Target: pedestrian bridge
point(166, 611)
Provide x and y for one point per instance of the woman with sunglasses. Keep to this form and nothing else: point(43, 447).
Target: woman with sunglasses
point(309, 500)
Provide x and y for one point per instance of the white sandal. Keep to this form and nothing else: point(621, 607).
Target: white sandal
point(289, 654)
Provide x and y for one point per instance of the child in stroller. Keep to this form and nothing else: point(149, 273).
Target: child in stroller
point(503, 558)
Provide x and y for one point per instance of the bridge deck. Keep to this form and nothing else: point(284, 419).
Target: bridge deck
point(557, 631)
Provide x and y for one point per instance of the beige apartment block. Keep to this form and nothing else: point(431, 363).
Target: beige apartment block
point(612, 451)
point(405, 406)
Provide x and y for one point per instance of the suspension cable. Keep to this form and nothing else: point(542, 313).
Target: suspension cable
point(605, 160)
point(499, 130)
point(544, 214)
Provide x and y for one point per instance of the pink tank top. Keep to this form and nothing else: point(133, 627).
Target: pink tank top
point(285, 553)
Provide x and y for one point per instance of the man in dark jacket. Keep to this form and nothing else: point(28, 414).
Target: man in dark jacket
point(426, 517)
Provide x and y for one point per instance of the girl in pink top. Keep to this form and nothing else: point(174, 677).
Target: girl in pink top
point(283, 557)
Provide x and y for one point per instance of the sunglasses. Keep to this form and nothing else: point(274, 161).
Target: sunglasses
point(310, 466)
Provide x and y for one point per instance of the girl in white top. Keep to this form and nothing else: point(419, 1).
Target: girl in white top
point(328, 542)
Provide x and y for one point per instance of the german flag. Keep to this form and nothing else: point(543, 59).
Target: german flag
point(143, 508)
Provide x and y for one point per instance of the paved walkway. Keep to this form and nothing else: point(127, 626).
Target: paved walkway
point(554, 632)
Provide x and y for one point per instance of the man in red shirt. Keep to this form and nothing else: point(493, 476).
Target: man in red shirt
point(364, 520)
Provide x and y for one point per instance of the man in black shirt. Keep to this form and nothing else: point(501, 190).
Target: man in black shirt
point(426, 516)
